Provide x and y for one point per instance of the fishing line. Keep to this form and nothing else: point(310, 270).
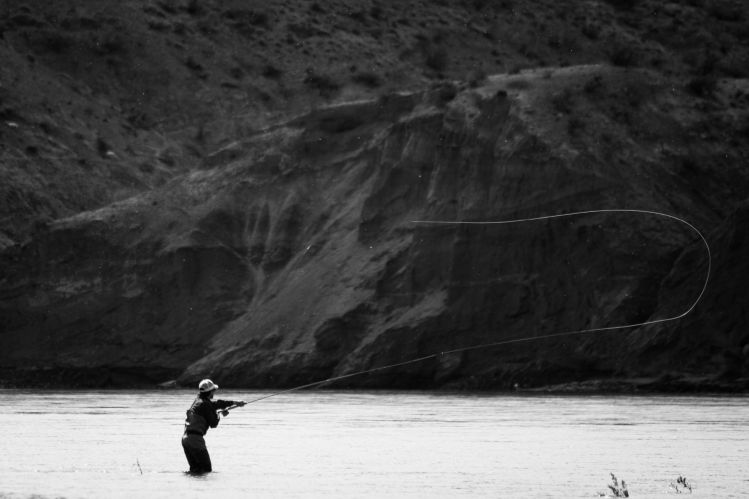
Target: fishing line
point(525, 338)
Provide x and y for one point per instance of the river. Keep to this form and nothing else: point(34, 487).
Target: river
point(126, 444)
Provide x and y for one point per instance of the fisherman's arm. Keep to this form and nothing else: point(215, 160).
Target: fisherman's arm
point(223, 404)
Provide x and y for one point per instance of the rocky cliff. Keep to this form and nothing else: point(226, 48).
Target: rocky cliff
point(179, 206)
point(293, 255)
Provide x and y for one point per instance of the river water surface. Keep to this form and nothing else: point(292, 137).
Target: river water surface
point(373, 444)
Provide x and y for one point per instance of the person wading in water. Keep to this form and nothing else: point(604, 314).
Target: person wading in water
point(202, 414)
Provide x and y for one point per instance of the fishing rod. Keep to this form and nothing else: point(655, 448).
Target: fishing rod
point(522, 339)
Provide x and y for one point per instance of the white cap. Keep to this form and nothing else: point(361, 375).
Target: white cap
point(207, 386)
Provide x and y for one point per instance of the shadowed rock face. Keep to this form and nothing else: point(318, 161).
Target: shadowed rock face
point(297, 254)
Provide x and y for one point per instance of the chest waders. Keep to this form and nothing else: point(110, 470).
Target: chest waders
point(193, 443)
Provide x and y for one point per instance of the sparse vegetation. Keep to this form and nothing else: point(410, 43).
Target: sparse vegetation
point(681, 485)
point(617, 489)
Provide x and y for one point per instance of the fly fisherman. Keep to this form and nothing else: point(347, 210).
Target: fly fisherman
point(202, 414)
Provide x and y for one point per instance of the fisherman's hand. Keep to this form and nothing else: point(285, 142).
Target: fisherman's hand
point(224, 413)
point(241, 403)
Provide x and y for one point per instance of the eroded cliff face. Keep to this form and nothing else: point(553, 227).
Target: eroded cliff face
point(297, 254)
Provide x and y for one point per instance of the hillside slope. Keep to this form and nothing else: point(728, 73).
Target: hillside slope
point(229, 189)
point(294, 256)
point(101, 100)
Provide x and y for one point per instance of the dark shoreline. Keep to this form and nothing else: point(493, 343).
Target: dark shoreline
point(128, 379)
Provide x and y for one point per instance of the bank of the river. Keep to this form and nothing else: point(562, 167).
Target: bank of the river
point(98, 378)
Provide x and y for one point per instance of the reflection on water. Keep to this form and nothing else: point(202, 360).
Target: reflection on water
point(372, 444)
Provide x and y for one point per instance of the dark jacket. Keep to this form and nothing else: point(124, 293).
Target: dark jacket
point(202, 414)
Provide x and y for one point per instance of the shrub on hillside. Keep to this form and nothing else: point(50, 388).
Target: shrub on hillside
point(272, 72)
point(179, 28)
point(111, 43)
point(53, 41)
point(516, 68)
point(249, 17)
point(702, 85)
point(624, 4)
point(733, 66)
point(435, 57)
point(358, 15)
point(591, 30)
point(367, 79)
point(444, 92)
point(519, 84)
point(102, 147)
point(593, 85)
point(160, 26)
point(623, 55)
point(563, 40)
point(169, 6)
point(476, 77)
point(193, 65)
point(324, 84)
point(575, 125)
point(723, 10)
point(562, 101)
point(25, 21)
point(194, 7)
